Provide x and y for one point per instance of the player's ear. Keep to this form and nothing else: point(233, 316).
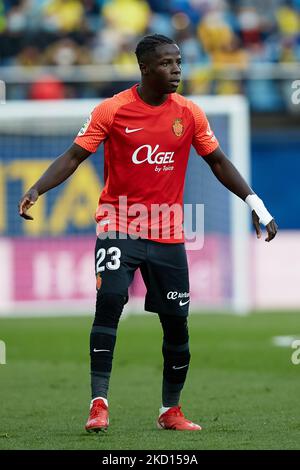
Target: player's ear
point(144, 68)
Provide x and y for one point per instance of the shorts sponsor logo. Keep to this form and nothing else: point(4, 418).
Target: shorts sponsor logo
point(174, 295)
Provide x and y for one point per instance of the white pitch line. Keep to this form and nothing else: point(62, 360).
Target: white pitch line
point(284, 341)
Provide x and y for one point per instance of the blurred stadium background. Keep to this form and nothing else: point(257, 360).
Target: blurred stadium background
point(70, 54)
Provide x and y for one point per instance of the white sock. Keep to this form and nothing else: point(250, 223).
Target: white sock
point(104, 399)
point(163, 409)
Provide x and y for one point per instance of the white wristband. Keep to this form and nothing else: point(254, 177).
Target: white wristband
point(256, 204)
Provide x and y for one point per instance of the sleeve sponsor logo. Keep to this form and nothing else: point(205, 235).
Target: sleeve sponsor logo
point(85, 126)
point(210, 133)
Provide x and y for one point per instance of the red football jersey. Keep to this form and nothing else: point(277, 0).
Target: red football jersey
point(146, 150)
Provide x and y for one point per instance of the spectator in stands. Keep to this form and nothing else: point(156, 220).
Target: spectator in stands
point(127, 16)
point(250, 25)
point(63, 15)
point(47, 87)
point(66, 52)
point(209, 32)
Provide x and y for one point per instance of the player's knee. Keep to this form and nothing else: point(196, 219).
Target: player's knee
point(175, 329)
point(109, 308)
point(178, 356)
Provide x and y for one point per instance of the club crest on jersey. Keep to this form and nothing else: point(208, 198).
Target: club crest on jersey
point(177, 127)
point(98, 281)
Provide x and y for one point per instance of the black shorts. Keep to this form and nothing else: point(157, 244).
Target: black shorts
point(163, 267)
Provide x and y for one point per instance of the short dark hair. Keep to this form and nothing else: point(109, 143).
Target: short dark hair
point(149, 43)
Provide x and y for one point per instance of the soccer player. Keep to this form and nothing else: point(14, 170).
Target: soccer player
point(147, 132)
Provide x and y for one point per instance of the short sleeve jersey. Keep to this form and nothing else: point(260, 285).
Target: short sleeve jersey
point(146, 151)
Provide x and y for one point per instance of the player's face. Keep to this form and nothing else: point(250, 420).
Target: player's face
point(164, 68)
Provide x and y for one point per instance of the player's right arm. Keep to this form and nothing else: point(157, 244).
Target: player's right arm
point(63, 167)
point(95, 130)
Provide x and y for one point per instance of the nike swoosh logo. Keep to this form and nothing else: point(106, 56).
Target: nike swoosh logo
point(99, 350)
point(129, 131)
point(183, 303)
point(181, 367)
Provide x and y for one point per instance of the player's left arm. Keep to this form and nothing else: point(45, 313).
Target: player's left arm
point(230, 177)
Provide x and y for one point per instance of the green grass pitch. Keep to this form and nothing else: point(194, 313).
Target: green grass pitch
point(242, 389)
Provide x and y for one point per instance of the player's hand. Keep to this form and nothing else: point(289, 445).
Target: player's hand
point(27, 202)
point(272, 227)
